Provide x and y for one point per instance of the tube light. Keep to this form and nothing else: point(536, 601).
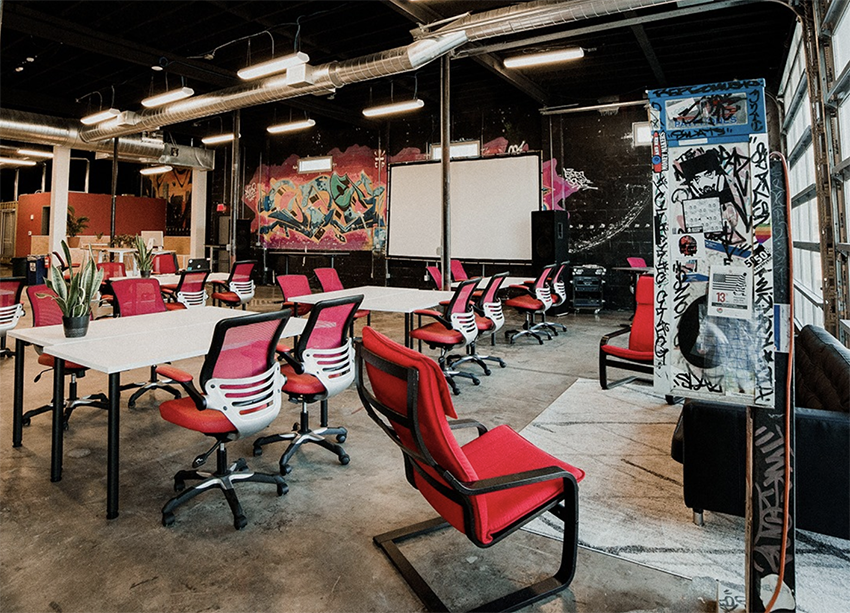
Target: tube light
point(217, 139)
point(16, 161)
point(173, 95)
point(550, 57)
point(35, 153)
point(272, 66)
point(155, 170)
point(292, 126)
point(100, 116)
point(390, 109)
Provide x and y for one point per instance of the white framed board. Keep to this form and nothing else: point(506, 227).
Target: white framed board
point(491, 204)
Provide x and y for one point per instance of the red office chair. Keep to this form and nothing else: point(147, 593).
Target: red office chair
point(110, 269)
point(45, 312)
point(436, 275)
point(294, 285)
point(191, 291)
point(638, 356)
point(11, 309)
point(164, 264)
point(535, 299)
point(487, 488)
point(239, 287)
point(458, 271)
point(241, 382)
point(558, 292)
point(329, 280)
point(636, 262)
point(138, 296)
point(454, 328)
point(320, 367)
point(489, 318)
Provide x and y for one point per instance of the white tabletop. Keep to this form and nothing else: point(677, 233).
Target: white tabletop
point(483, 281)
point(174, 279)
point(159, 342)
point(378, 298)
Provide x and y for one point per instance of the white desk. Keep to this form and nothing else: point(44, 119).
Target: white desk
point(174, 279)
point(121, 252)
point(387, 299)
point(113, 346)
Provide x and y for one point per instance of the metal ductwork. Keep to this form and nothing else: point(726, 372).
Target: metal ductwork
point(319, 80)
point(53, 131)
point(535, 15)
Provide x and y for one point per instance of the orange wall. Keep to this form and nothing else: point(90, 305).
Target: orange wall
point(132, 215)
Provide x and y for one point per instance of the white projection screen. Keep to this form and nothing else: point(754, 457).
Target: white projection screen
point(491, 204)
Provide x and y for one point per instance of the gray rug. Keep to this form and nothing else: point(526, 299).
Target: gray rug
point(631, 499)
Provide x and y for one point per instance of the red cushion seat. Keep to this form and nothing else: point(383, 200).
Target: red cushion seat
point(437, 333)
point(301, 384)
point(525, 302)
point(227, 297)
point(628, 354)
point(183, 412)
point(48, 360)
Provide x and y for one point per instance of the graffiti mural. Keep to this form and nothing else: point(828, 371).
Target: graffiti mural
point(341, 210)
point(175, 187)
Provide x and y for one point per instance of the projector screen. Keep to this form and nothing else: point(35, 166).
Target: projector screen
point(491, 204)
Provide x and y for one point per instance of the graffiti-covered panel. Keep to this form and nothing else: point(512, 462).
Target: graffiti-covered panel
point(714, 310)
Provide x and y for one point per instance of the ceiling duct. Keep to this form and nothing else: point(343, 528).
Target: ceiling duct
point(535, 15)
point(325, 78)
point(57, 132)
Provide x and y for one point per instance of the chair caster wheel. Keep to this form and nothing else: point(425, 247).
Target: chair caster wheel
point(476, 382)
point(344, 459)
point(282, 489)
point(285, 469)
point(168, 519)
point(131, 404)
point(26, 421)
point(179, 486)
point(240, 521)
point(65, 426)
point(258, 451)
point(340, 438)
point(502, 365)
point(241, 465)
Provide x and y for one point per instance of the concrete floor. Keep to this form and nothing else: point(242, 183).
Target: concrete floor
point(310, 550)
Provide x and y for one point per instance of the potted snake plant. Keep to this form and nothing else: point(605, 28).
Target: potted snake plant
point(144, 257)
point(74, 293)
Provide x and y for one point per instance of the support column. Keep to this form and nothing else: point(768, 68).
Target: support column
point(59, 180)
point(445, 145)
point(198, 219)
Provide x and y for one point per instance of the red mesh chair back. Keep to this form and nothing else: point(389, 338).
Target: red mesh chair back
point(557, 285)
point(489, 303)
point(541, 289)
point(164, 264)
point(436, 276)
point(45, 311)
point(328, 324)
point(240, 282)
point(328, 279)
point(636, 262)
point(642, 336)
point(294, 285)
point(191, 291)
point(458, 272)
point(112, 269)
point(11, 308)
point(137, 296)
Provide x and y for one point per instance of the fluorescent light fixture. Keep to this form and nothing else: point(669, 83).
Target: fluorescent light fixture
point(173, 95)
point(272, 66)
point(35, 153)
point(317, 164)
point(100, 116)
point(465, 149)
point(562, 55)
point(292, 126)
point(16, 161)
point(641, 134)
point(391, 109)
point(217, 139)
point(155, 170)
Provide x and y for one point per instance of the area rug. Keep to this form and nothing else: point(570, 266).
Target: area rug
point(630, 502)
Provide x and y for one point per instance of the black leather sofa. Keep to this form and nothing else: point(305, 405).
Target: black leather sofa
point(710, 442)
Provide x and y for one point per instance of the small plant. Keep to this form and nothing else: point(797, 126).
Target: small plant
point(75, 224)
point(122, 240)
point(144, 257)
point(75, 293)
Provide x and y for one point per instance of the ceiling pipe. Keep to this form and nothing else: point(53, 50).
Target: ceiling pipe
point(319, 80)
point(534, 15)
point(58, 132)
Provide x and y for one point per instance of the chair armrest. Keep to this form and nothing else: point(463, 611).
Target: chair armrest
point(186, 382)
point(219, 286)
point(296, 365)
point(428, 312)
point(495, 484)
point(457, 424)
point(604, 340)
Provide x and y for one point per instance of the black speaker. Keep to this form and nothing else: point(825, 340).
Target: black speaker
point(549, 238)
point(243, 239)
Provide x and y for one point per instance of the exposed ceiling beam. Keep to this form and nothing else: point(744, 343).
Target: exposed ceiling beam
point(649, 53)
point(22, 19)
point(421, 14)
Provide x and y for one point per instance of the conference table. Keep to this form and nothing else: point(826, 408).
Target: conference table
point(386, 299)
point(174, 278)
point(113, 346)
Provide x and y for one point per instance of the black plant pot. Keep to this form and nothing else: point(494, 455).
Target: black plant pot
point(145, 274)
point(75, 327)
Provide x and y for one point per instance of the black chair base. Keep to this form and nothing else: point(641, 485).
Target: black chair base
point(98, 401)
point(224, 479)
point(301, 434)
point(450, 373)
point(529, 328)
point(389, 544)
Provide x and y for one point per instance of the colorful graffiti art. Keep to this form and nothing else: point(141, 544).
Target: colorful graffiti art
point(342, 210)
point(175, 187)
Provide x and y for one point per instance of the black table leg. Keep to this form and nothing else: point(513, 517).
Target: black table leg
point(58, 426)
point(407, 341)
point(18, 408)
point(112, 447)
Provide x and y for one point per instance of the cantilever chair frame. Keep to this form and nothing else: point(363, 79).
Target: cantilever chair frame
point(606, 360)
point(564, 507)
